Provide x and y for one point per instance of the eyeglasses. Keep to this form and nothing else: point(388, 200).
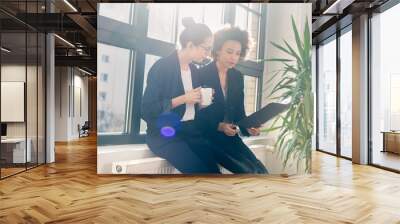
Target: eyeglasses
point(206, 48)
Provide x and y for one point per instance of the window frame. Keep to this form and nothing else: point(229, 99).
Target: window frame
point(251, 67)
point(334, 37)
point(380, 9)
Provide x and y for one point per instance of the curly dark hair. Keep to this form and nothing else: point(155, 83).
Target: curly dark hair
point(231, 33)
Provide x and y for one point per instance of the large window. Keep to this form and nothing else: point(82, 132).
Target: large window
point(314, 88)
point(335, 74)
point(385, 89)
point(250, 94)
point(346, 94)
point(210, 14)
point(214, 16)
point(327, 96)
point(125, 11)
point(150, 60)
point(394, 102)
point(112, 99)
point(162, 21)
point(248, 17)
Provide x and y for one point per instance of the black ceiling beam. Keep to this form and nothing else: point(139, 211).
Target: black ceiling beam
point(61, 22)
point(7, 24)
point(91, 5)
point(81, 61)
point(64, 51)
point(337, 7)
point(86, 27)
point(325, 26)
point(385, 5)
point(9, 15)
point(49, 22)
point(331, 30)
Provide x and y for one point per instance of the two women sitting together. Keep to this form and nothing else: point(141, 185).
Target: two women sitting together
point(194, 138)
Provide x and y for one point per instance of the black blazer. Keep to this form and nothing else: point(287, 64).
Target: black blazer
point(164, 83)
point(233, 107)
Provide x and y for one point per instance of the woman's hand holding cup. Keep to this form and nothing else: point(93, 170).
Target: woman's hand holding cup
point(206, 96)
point(193, 96)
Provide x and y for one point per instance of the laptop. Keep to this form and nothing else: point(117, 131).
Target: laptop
point(262, 116)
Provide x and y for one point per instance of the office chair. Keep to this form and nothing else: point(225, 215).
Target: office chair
point(84, 130)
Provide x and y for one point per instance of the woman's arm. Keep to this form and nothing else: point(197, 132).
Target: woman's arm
point(177, 101)
point(208, 118)
point(240, 109)
point(227, 129)
point(153, 101)
point(191, 97)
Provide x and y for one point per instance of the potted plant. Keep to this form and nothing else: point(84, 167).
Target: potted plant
point(293, 85)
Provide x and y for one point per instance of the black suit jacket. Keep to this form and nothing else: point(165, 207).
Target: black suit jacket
point(233, 107)
point(164, 83)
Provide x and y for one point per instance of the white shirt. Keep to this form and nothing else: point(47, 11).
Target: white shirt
point(187, 86)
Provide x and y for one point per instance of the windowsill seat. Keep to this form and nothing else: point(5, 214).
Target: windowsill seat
point(138, 159)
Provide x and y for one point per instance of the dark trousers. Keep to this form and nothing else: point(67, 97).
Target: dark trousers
point(235, 156)
point(188, 151)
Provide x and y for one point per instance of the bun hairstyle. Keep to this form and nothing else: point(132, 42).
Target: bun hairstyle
point(231, 33)
point(188, 21)
point(194, 32)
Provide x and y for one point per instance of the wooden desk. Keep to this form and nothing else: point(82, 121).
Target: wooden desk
point(391, 141)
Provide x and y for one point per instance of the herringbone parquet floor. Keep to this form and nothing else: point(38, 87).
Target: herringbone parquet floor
point(70, 191)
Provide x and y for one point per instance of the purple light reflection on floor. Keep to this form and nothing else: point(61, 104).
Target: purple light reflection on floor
point(167, 131)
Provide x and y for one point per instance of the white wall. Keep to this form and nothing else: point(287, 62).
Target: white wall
point(33, 127)
point(79, 117)
point(70, 83)
point(61, 103)
point(279, 28)
point(12, 73)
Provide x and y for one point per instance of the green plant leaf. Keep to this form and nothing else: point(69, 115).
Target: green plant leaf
point(296, 126)
point(275, 75)
point(293, 53)
point(281, 48)
point(279, 59)
point(297, 36)
point(307, 39)
point(271, 129)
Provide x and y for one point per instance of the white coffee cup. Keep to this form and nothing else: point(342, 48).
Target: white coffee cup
point(206, 96)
